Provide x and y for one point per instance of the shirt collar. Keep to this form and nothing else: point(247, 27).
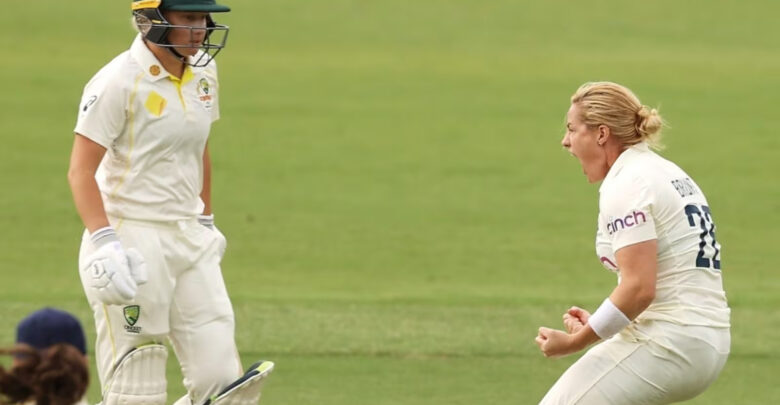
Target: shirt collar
point(185, 77)
point(151, 66)
point(625, 157)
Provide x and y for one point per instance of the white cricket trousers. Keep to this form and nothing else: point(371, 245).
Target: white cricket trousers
point(185, 300)
point(649, 362)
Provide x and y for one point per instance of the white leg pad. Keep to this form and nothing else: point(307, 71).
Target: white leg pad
point(139, 378)
point(245, 390)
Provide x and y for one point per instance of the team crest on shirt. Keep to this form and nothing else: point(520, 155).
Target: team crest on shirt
point(205, 93)
point(132, 313)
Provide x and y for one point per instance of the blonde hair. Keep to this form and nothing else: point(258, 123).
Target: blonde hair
point(613, 105)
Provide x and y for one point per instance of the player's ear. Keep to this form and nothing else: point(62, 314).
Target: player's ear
point(603, 135)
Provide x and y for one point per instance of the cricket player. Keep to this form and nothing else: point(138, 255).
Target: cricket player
point(665, 327)
point(140, 174)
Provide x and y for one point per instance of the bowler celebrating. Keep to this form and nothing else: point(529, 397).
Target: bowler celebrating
point(665, 327)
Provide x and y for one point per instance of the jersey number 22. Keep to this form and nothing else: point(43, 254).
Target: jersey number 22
point(707, 226)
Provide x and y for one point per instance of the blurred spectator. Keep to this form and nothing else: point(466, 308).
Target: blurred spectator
point(49, 361)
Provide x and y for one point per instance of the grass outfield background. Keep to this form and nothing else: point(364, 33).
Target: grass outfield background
point(400, 215)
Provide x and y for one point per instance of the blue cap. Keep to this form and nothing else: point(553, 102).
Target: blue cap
point(49, 326)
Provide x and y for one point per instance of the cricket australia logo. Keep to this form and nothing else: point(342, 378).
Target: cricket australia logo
point(132, 313)
point(204, 93)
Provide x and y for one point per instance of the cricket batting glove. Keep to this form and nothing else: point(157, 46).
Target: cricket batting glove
point(208, 222)
point(113, 272)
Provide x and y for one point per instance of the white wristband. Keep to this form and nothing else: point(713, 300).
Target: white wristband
point(103, 236)
point(608, 320)
point(206, 220)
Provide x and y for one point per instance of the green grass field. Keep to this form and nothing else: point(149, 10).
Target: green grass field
point(401, 217)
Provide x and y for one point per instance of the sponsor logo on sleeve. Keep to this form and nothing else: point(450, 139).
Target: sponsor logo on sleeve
point(635, 218)
point(89, 103)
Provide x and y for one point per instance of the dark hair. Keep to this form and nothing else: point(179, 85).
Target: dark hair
point(57, 375)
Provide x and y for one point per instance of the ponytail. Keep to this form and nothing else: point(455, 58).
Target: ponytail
point(613, 105)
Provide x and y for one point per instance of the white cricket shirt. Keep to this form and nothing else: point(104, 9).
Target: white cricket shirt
point(646, 197)
point(154, 127)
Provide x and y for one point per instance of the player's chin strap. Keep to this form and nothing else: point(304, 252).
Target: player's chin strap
point(138, 378)
point(245, 390)
point(198, 60)
point(178, 56)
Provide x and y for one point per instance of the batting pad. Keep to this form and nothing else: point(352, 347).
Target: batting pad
point(245, 390)
point(139, 378)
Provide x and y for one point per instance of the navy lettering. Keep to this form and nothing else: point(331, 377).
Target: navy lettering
point(707, 226)
point(685, 187)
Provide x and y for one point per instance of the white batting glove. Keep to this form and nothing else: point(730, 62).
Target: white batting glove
point(208, 222)
point(114, 273)
point(139, 271)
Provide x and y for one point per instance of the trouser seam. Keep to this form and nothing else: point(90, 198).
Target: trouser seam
point(601, 377)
